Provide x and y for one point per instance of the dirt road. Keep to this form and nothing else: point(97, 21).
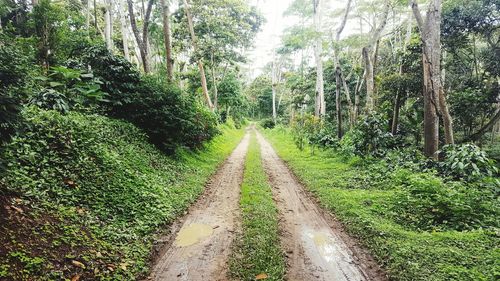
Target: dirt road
point(200, 249)
point(315, 244)
point(316, 247)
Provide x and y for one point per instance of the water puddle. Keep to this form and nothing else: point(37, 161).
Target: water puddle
point(192, 234)
point(325, 246)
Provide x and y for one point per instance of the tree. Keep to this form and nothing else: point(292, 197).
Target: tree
point(369, 57)
point(142, 40)
point(168, 39)
point(320, 108)
point(339, 78)
point(200, 63)
point(434, 99)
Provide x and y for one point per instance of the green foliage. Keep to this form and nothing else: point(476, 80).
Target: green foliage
point(106, 167)
point(258, 249)
point(13, 71)
point(467, 162)
point(370, 137)
point(267, 123)
point(67, 89)
point(169, 117)
point(382, 207)
point(304, 128)
point(426, 203)
point(119, 77)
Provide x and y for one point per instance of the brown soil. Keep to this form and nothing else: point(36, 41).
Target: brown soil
point(199, 244)
point(33, 244)
point(316, 245)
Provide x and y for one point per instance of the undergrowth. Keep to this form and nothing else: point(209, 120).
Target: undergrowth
point(417, 225)
point(257, 252)
point(106, 183)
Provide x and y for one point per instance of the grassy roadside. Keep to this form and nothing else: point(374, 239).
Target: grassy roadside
point(362, 201)
point(257, 252)
point(84, 196)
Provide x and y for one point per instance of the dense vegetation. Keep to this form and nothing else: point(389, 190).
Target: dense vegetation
point(113, 115)
point(418, 226)
point(100, 147)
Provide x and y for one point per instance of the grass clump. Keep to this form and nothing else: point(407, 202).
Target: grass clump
point(257, 251)
point(97, 191)
point(418, 226)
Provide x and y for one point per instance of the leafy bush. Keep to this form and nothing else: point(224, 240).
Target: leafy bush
point(426, 203)
point(169, 117)
point(370, 137)
point(267, 123)
point(66, 89)
point(304, 128)
point(13, 72)
point(466, 161)
point(119, 77)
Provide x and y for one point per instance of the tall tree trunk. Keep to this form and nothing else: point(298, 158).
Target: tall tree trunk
point(367, 56)
point(200, 63)
point(124, 29)
point(273, 86)
point(95, 15)
point(370, 85)
point(320, 109)
point(397, 99)
point(108, 30)
point(339, 78)
point(434, 99)
point(142, 41)
point(338, 103)
point(168, 40)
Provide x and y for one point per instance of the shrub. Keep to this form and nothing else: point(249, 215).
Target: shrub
point(13, 70)
point(426, 203)
point(119, 77)
point(467, 162)
point(267, 123)
point(370, 137)
point(67, 89)
point(167, 116)
point(304, 128)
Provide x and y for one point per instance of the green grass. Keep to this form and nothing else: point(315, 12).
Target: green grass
point(363, 199)
point(258, 250)
point(97, 192)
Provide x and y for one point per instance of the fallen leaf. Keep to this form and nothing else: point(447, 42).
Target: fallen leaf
point(75, 278)
point(261, 276)
point(78, 264)
point(123, 266)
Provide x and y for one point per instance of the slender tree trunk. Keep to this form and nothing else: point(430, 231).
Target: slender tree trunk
point(320, 110)
point(338, 103)
point(370, 85)
point(108, 30)
point(274, 84)
point(95, 15)
point(168, 40)
point(339, 78)
point(124, 29)
point(200, 63)
point(397, 100)
point(142, 41)
point(367, 56)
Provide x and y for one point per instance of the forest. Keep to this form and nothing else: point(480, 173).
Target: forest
point(249, 140)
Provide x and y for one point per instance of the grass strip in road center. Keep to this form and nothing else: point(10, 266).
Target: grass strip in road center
point(257, 253)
